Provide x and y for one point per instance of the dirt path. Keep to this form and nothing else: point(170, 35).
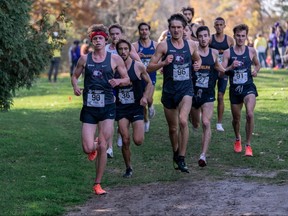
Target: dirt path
point(232, 196)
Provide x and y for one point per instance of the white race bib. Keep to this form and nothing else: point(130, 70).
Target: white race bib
point(126, 96)
point(240, 77)
point(95, 99)
point(202, 80)
point(181, 72)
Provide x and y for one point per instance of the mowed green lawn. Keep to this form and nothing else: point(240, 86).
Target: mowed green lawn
point(44, 171)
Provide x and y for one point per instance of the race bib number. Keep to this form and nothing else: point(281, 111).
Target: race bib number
point(145, 62)
point(126, 96)
point(180, 72)
point(95, 99)
point(202, 80)
point(240, 77)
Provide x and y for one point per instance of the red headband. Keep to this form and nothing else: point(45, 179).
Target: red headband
point(93, 34)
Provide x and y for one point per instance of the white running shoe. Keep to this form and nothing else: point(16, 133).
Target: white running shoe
point(109, 152)
point(151, 112)
point(202, 160)
point(119, 141)
point(219, 127)
point(146, 126)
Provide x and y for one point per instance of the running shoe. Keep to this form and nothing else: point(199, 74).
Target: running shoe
point(248, 151)
point(175, 160)
point(128, 173)
point(237, 146)
point(109, 152)
point(219, 127)
point(151, 112)
point(202, 160)
point(98, 189)
point(119, 141)
point(147, 126)
point(182, 165)
point(92, 155)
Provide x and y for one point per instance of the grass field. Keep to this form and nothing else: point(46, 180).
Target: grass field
point(43, 169)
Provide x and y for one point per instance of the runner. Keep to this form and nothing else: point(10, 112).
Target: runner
point(116, 33)
point(98, 99)
point(130, 103)
point(188, 12)
point(242, 88)
point(175, 56)
point(220, 42)
point(187, 34)
point(204, 82)
point(146, 48)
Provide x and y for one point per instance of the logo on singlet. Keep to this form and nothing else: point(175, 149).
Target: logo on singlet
point(98, 74)
point(179, 58)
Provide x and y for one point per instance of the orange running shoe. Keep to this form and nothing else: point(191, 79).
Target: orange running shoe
point(237, 146)
point(98, 189)
point(248, 151)
point(92, 155)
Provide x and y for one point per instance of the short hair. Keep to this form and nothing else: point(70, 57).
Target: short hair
point(123, 41)
point(219, 19)
point(202, 28)
point(179, 17)
point(144, 23)
point(241, 27)
point(188, 8)
point(96, 28)
point(116, 25)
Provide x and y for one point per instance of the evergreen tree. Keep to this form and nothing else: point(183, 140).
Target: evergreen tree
point(24, 51)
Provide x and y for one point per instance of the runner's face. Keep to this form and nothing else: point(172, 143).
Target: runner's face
point(99, 42)
point(144, 32)
point(123, 51)
point(176, 29)
point(240, 37)
point(219, 26)
point(187, 33)
point(115, 34)
point(203, 38)
point(188, 15)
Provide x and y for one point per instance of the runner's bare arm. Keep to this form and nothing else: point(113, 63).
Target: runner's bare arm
point(148, 93)
point(77, 72)
point(230, 41)
point(218, 66)
point(256, 63)
point(162, 36)
point(118, 64)
point(226, 57)
point(156, 62)
point(195, 55)
point(134, 55)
